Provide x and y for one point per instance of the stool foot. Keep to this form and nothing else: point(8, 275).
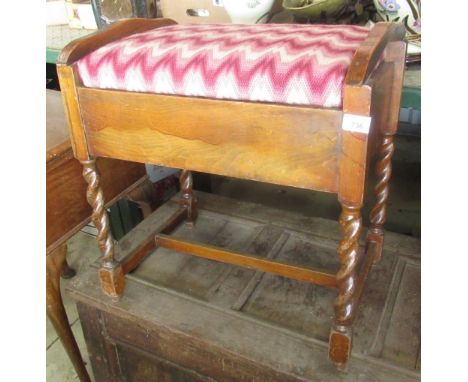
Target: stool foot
point(375, 236)
point(112, 280)
point(339, 346)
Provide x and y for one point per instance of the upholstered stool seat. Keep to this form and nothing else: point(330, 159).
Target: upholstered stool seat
point(282, 63)
point(307, 106)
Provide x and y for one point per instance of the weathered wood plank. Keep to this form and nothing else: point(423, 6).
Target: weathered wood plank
point(257, 277)
point(181, 272)
point(161, 312)
point(404, 329)
point(396, 244)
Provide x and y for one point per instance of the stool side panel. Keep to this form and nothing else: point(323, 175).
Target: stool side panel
point(378, 97)
point(286, 145)
point(353, 147)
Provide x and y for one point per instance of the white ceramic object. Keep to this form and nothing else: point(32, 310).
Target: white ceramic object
point(406, 11)
point(195, 11)
point(247, 11)
point(80, 15)
point(56, 12)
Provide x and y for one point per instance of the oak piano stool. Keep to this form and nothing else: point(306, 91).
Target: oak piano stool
point(307, 106)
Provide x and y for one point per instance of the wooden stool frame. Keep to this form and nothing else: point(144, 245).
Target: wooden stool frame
point(299, 146)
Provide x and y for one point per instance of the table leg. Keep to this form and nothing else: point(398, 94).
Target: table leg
point(56, 310)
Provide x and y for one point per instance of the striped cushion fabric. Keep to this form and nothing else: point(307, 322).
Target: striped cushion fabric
point(281, 63)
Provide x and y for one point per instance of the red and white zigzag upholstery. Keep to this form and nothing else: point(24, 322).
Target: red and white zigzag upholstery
point(282, 63)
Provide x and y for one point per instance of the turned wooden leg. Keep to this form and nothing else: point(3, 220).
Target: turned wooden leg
point(111, 273)
point(188, 200)
point(56, 310)
point(378, 214)
point(67, 271)
point(348, 250)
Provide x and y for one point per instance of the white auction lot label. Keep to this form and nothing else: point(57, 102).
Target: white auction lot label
point(356, 123)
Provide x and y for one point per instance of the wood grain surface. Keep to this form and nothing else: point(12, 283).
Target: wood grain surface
point(279, 144)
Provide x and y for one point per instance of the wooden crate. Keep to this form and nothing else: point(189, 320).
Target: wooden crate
point(183, 318)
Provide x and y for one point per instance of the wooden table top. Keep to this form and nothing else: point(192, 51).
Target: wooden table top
point(57, 135)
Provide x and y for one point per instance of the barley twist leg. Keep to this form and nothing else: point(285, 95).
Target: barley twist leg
point(378, 214)
point(111, 273)
point(345, 304)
